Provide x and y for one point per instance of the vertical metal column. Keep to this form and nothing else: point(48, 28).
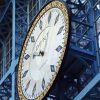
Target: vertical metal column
point(39, 4)
point(13, 29)
point(28, 14)
point(3, 65)
point(13, 48)
point(4, 59)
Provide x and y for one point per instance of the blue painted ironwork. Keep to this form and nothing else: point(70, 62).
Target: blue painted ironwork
point(5, 8)
point(83, 44)
point(95, 80)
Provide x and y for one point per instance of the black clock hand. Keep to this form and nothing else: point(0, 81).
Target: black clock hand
point(37, 50)
point(34, 54)
point(41, 53)
point(44, 40)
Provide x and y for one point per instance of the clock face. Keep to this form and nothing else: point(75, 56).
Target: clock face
point(43, 51)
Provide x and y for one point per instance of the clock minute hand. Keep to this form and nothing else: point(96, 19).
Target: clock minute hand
point(37, 52)
point(44, 44)
point(46, 41)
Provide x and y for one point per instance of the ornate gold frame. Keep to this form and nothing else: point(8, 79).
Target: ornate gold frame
point(48, 6)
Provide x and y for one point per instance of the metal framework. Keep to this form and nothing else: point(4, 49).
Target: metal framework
point(79, 78)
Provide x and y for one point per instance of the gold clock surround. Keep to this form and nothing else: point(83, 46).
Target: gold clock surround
point(48, 6)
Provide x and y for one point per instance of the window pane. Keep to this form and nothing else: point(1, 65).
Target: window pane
point(99, 40)
point(98, 25)
point(98, 30)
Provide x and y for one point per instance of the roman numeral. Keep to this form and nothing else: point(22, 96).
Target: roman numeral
point(60, 30)
point(41, 24)
point(56, 20)
point(43, 84)
point(34, 89)
point(49, 17)
point(58, 48)
point(32, 39)
point(27, 56)
point(25, 73)
point(27, 86)
point(52, 68)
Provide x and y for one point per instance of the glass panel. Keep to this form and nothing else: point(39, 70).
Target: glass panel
point(98, 6)
point(98, 25)
point(99, 40)
point(97, 9)
point(98, 30)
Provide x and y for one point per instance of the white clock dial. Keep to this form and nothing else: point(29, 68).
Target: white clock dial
point(43, 53)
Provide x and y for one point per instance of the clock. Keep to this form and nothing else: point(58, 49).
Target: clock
point(43, 51)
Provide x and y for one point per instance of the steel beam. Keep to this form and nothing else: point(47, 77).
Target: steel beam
point(10, 71)
point(5, 11)
point(87, 88)
point(82, 23)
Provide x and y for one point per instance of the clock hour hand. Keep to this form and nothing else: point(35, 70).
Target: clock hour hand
point(41, 53)
point(36, 54)
point(40, 47)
